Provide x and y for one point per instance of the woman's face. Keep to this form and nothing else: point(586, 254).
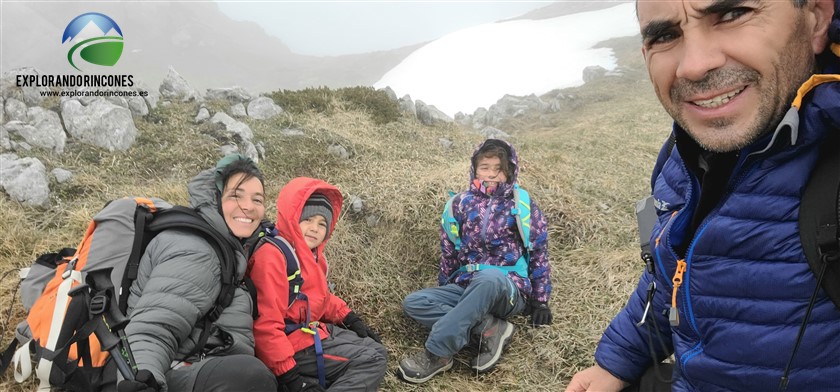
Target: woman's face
point(243, 205)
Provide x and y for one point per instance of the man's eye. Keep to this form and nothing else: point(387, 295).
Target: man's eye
point(734, 14)
point(661, 39)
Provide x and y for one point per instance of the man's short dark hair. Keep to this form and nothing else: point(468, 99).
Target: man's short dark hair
point(800, 3)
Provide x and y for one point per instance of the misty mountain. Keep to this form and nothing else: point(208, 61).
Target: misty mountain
point(203, 44)
point(568, 7)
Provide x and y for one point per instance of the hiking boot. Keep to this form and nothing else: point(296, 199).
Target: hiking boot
point(494, 337)
point(422, 366)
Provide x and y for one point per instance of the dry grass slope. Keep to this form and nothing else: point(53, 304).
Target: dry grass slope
point(585, 167)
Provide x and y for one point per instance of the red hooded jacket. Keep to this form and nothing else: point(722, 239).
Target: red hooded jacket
point(267, 268)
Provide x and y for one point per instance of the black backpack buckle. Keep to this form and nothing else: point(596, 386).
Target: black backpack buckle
point(98, 304)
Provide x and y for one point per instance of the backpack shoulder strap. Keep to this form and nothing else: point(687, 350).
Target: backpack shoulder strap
point(662, 157)
point(292, 264)
point(185, 218)
point(450, 224)
point(819, 218)
point(521, 211)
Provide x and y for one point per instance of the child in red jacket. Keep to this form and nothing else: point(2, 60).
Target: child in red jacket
point(316, 335)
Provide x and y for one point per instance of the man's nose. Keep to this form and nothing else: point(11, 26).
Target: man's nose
point(701, 53)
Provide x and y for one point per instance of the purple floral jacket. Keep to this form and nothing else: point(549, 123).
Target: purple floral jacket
point(489, 236)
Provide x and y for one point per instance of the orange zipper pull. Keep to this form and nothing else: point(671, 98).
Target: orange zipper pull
point(673, 313)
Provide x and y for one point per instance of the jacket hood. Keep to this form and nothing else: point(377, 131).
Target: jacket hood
point(204, 197)
point(513, 160)
point(290, 202)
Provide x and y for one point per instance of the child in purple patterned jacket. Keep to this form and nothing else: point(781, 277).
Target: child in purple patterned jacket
point(475, 296)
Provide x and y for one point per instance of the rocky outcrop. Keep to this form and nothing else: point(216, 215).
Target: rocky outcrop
point(175, 87)
point(233, 94)
point(263, 108)
point(100, 123)
point(25, 180)
point(407, 105)
point(593, 72)
point(30, 95)
point(430, 115)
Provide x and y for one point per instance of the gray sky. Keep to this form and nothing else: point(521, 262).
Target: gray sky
point(344, 27)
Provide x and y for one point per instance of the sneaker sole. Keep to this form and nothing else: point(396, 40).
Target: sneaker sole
point(427, 378)
point(506, 335)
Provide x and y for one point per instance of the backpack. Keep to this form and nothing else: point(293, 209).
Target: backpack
point(76, 299)
point(521, 212)
point(292, 264)
point(819, 219)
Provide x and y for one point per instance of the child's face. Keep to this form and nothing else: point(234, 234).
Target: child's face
point(314, 230)
point(489, 170)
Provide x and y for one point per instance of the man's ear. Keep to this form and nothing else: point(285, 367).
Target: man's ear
point(821, 13)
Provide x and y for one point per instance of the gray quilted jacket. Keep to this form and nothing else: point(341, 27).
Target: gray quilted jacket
point(177, 283)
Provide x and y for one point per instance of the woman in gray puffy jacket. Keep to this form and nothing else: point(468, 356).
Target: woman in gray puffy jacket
point(178, 283)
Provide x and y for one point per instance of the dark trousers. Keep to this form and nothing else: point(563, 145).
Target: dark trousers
point(351, 363)
point(243, 373)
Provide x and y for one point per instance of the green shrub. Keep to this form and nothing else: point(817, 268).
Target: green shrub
point(375, 102)
point(325, 100)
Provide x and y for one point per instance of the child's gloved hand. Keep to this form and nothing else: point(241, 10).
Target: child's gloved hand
point(292, 381)
point(540, 313)
point(354, 323)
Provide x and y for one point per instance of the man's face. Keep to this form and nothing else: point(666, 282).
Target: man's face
point(727, 70)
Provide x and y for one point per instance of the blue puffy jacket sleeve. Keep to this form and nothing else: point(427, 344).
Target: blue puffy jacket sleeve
point(623, 350)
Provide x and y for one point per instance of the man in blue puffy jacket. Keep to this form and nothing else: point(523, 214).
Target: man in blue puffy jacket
point(730, 283)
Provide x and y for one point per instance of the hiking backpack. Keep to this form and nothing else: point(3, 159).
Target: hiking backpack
point(521, 212)
point(819, 219)
point(76, 299)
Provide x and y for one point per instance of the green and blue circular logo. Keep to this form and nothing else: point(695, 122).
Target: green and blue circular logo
point(95, 38)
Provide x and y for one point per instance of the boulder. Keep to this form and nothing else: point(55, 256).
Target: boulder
point(30, 95)
point(407, 105)
point(101, 123)
point(24, 180)
point(233, 94)
point(338, 151)
point(61, 175)
point(138, 106)
point(593, 72)
point(390, 93)
point(238, 110)
point(430, 115)
point(15, 110)
point(232, 126)
point(49, 131)
point(175, 87)
point(202, 116)
point(263, 108)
